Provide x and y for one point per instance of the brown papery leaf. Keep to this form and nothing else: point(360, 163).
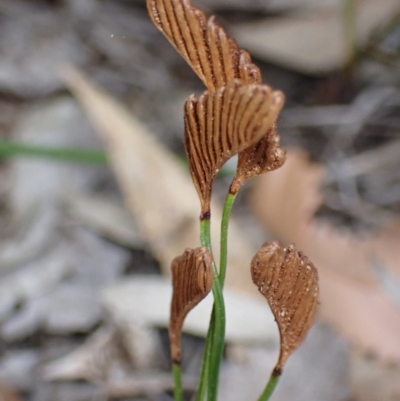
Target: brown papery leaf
point(265, 156)
point(289, 282)
point(192, 279)
point(221, 124)
point(7, 394)
point(214, 56)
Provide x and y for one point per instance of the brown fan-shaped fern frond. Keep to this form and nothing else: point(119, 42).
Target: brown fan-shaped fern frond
point(192, 279)
point(213, 55)
point(289, 282)
point(218, 61)
point(223, 123)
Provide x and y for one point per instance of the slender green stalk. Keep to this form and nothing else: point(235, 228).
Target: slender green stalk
point(218, 341)
point(350, 18)
point(222, 272)
point(205, 238)
point(12, 149)
point(177, 373)
point(203, 381)
point(218, 334)
point(270, 387)
point(230, 199)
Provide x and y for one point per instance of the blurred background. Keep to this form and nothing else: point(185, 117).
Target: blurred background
point(96, 200)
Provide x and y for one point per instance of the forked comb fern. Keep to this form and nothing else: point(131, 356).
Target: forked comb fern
point(235, 115)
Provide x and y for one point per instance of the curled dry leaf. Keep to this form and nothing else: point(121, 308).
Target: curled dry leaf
point(289, 282)
point(218, 61)
point(220, 124)
point(192, 279)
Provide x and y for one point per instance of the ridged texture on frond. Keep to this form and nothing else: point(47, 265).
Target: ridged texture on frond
point(264, 156)
point(223, 123)
point(213, 55)
point(218, 61)
point(289, 282)
point(192, 279)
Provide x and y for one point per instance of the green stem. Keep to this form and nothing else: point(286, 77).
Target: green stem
point(270, 387)
point(222, 272)
point(203, 381)
point(177, 373)
point(12, 149)
point(350, 19)
point(230, 199)
point(217, 344)
point(218, 336)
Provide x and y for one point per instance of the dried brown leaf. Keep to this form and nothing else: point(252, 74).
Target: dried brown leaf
point(289, 282)
point(223, 123)
point(102, 355)
point(92, 361)
point(192, 279)
point(218, 62)
point(7, 394)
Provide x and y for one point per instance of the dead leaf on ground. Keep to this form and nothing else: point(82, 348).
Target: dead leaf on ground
point(321, 362)
point(105, 215)
point(146, 300)
point(270, 5)
point(313, 41)
point(352, 299)
point(147, 383)
point(93, 361)
point(103, 359)
point(6, 394)
point(372, 380)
